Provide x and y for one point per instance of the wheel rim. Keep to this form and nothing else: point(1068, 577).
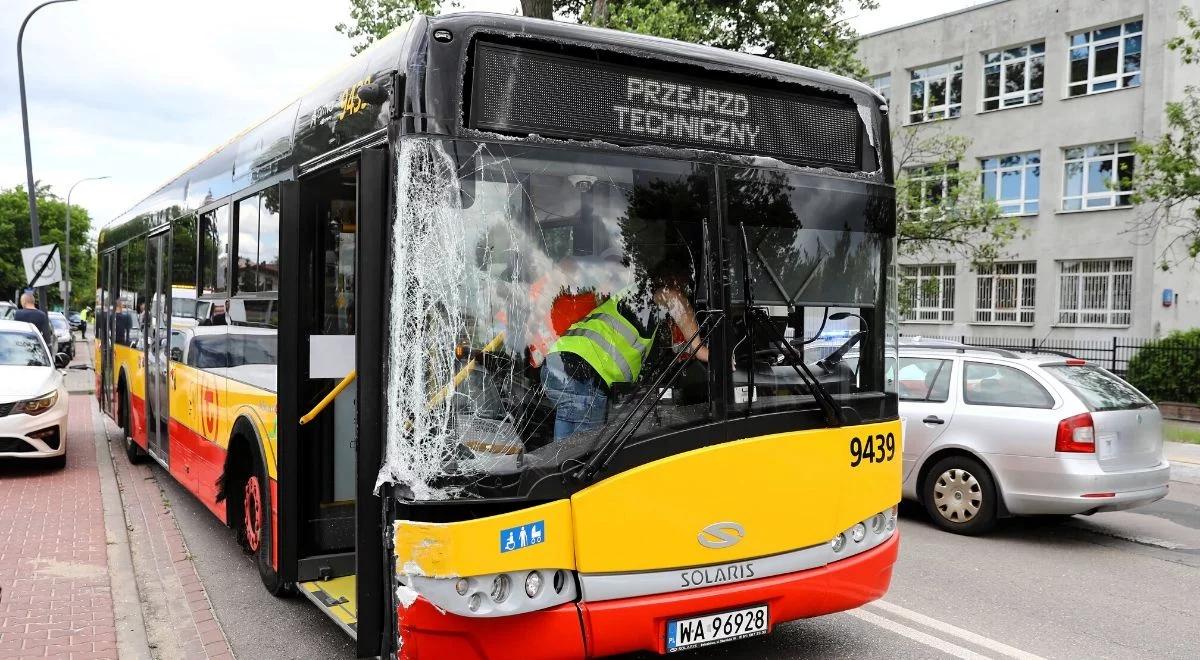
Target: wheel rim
point(957, 495)
point(252, 513)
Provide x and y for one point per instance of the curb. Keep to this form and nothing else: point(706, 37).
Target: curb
point(127, 605)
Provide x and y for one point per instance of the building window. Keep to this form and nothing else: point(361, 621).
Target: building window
point(935, 92)
point(1095, 291)
point(1013, 182)
point(1014, 76)
point(1005, 292)
point(927, 293)
point(1098, 176)
point(928, 188)
point(882, 84)
point(1106, 59)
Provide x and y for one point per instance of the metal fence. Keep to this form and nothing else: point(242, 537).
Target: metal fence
point(1112, 354)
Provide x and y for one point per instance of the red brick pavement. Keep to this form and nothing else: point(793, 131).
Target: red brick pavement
point(56, 600)
point(180, 622)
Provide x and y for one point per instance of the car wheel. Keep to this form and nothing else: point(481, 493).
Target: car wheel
point(960, 496)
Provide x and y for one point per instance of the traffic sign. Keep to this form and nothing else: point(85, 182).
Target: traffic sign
point(42, 258)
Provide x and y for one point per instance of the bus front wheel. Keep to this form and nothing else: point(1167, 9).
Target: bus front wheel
point(254, 514)
point(132, 450)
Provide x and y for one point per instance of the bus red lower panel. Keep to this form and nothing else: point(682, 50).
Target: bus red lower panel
point(428, 633)
point(639, 624)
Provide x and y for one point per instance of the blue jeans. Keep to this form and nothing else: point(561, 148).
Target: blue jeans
point(578, 405)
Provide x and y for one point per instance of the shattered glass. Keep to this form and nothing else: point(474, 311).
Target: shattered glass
point(501, 249)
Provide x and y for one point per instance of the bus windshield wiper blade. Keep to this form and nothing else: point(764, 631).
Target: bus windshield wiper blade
point(833, 414)
point(623, 431)
point(829, 406)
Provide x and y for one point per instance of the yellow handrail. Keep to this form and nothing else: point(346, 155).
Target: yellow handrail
point(437, 397)
point(466, 370)
point(323, 403)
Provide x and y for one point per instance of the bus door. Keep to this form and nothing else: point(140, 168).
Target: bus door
point(110, 286)
point(338, 209)
point(327, 315)
point(156, 325)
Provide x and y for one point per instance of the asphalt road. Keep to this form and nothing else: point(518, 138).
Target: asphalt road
point(1116, 585)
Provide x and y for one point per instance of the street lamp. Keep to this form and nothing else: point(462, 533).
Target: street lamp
point(34, 228)
point(67, 252)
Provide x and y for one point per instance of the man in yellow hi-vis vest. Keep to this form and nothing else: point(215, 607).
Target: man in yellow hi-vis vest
point(610, 346)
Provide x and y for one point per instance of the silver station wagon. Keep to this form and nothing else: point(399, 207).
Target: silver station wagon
point(992, 433)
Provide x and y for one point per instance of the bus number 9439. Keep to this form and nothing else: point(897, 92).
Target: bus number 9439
point(875, 449)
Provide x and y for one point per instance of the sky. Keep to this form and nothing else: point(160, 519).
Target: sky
point(139, 90)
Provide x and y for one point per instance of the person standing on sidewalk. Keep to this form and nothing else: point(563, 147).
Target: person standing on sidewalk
point(29, 313)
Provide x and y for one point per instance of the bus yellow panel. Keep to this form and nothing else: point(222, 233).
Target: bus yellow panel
point(481, 546)
point(786, 491)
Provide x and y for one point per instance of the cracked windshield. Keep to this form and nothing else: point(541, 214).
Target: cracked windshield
point(558, 296)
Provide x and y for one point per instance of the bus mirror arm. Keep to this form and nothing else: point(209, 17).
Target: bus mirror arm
point(621, 434)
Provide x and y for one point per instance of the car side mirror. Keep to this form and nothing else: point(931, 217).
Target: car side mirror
point(61, 360)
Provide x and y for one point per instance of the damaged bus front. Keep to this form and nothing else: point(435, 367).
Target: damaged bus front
point(635, 395)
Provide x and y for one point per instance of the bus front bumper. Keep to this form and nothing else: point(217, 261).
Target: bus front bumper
point(586, 629)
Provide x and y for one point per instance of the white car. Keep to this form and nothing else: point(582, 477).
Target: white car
point(33, 398)
point(62, 332)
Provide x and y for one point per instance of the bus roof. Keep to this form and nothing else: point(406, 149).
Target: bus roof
point(330, 116)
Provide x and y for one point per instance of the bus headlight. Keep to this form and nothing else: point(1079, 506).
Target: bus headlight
point(533, 584)
point(839, 543)
point(877, 523)
point(498, 594)
point(858, 533)
point(500, 587)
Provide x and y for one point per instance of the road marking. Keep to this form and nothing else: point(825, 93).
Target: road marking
point(916, 635)
point(946, 628)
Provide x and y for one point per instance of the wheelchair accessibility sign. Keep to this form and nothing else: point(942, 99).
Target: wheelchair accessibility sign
point(524, 536)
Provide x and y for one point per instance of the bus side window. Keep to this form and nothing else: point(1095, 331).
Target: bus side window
point(214, 251)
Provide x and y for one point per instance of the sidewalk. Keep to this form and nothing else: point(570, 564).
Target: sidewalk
point(56, 599)
point(1182, 452)
point(92, 563)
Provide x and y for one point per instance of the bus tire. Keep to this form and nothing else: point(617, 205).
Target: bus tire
point(133, 451)
point(960, 496)
point(255, 515)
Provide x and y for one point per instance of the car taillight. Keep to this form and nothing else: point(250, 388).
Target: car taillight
point(1076, 435)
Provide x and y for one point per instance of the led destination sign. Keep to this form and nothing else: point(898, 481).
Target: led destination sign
point(522, 91)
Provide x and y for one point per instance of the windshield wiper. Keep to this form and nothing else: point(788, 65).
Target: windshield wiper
point(754, 316)
point(653, 394)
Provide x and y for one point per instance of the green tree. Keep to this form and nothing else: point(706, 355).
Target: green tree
point(941, 209)
point(15, 234)
point(814, 33)
point(940, 206)
point(1167, 176)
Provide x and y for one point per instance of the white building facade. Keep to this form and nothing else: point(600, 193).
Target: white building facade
point(1052, 96)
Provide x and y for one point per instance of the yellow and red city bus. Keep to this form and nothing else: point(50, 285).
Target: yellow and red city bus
point(341, 331)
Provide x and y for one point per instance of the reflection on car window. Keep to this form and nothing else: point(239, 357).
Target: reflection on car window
point(924, 379)
point(1099, 389)
point(19, 349)
point(999, 385)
